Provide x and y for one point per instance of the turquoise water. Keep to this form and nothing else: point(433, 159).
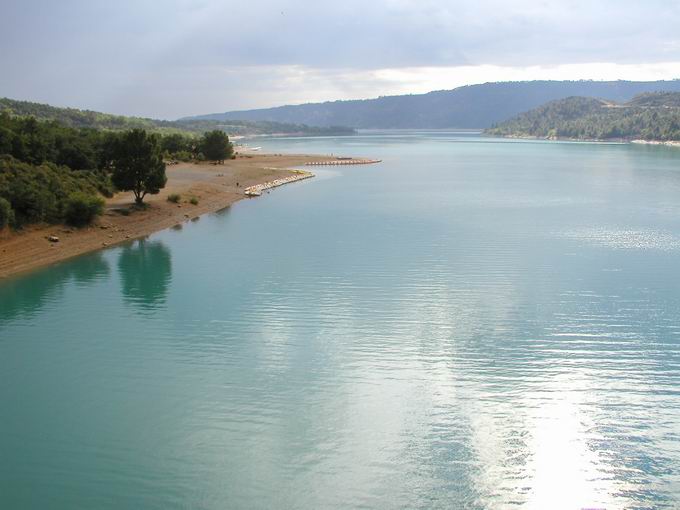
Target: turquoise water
point(473, 323)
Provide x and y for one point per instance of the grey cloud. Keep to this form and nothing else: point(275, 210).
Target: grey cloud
point(174, 57)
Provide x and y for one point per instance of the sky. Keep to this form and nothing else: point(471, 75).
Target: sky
point(171, 58)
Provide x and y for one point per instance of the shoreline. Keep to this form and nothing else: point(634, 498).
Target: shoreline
point(214, 186)
point(622, 141)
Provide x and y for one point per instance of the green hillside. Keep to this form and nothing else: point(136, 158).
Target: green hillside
point(75, 118)
point(650, 116)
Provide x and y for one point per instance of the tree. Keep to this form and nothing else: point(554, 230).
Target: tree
point(175, 143)
point(138, 164)
point(215, 146)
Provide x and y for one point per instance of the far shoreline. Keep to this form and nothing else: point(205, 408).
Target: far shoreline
point(215, 187)
point(620, 141)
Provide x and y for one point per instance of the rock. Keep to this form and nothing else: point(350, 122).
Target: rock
point(53, 239)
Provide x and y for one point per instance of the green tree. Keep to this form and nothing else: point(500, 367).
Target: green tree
point(215, 146)
point(175, 142)
point(138, 164)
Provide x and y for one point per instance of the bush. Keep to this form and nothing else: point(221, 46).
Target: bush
point(38, 193)
point(82, 208)
point(193, 201)
point(174, 198)
point(6, 213)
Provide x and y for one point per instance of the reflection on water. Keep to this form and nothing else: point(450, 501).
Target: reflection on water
point(475, 324)
point(20, 297)
point(145, 269)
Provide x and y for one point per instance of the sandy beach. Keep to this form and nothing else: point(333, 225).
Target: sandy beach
point(214, 186)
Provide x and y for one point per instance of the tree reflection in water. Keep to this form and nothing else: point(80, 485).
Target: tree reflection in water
point(22, 297)
point(146, 271)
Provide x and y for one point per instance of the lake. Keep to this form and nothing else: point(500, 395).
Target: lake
point(473, 323)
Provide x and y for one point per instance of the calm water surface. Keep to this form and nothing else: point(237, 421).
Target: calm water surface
point(473, 323)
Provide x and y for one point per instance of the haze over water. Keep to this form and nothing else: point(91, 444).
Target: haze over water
point(473, 323)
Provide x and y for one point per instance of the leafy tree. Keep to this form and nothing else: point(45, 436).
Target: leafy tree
point(175, 143)
point(215, 146)
point(138, 164)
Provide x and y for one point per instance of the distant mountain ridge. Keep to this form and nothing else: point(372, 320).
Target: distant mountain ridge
point(75, 118)
point(471, 106)
point(648, 116)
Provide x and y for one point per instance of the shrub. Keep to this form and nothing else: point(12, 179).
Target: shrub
point(193, 201)
point(38, 193)
point(6, 213)
point(82, 208)
point(174, 198)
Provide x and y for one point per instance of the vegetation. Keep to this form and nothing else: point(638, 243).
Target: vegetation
point(652, 116)
point(82, 208)
point(71, 117)
point(6, 213)
point(215, 146)
point(174, 198)
point(42, 193)
point(138, 164)
point(56, 162)
point(473, 106)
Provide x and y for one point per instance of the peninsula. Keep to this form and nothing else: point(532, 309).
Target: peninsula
point(198, 188)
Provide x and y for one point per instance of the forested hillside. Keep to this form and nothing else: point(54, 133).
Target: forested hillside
point(75, 118)
point(474, 106)
point(652, 116)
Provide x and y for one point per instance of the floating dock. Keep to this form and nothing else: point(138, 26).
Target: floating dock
point(256, 191)
point(344, 161)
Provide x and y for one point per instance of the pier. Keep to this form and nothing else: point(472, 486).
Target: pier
point(344, 161)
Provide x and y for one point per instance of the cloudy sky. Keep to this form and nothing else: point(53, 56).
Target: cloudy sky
point(169, 58)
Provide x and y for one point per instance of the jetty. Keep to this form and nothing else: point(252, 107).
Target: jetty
point(256, 191)
point(344, 161)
